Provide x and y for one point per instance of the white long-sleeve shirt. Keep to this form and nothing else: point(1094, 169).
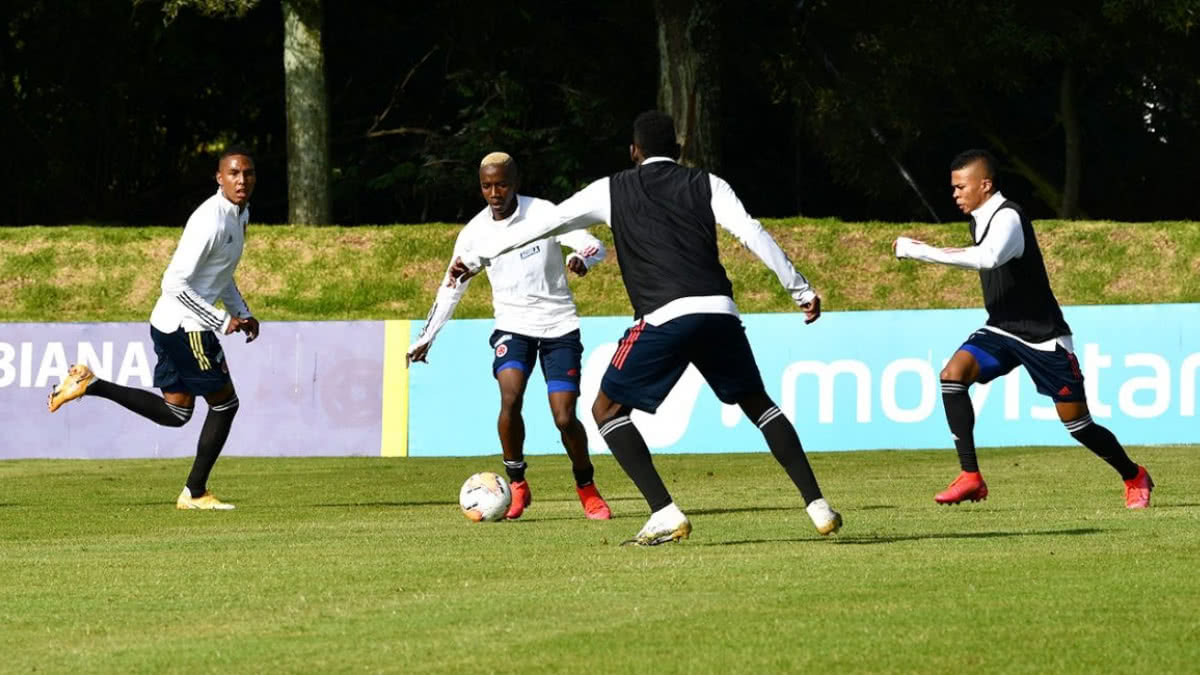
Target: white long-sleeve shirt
point(995, 244)
point(593, 204)
point(530, 295)
point(201, 270)
point(998, 243)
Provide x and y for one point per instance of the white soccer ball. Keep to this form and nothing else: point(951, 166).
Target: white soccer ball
point(485, 497)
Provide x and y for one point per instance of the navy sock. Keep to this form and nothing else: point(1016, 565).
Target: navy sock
point(630, 450)
point(212, 440)
point(515, 470)
point(1101, 441)
point(785, 446)
point(960, 414)
point(142, 402)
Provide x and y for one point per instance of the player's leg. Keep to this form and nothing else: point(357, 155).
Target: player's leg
point(647, 364)
point(1057, 374)
point(171, 410)
point(723, 356)
point(561, 364)
point(982, 358)
point(513, 357)
point(205, 373)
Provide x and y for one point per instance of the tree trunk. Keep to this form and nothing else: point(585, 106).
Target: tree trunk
point(307, 113)
point(1072, 178)
point(689, 86)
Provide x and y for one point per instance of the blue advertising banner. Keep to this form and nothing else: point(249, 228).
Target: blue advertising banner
point(851, 381)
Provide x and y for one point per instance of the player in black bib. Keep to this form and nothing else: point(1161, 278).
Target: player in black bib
point(1025, 327)
point(664, 219)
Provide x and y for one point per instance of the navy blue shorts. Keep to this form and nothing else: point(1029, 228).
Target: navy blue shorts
point(1055, 373)
point(651, 359)
point(191, 363)
point(561, 357)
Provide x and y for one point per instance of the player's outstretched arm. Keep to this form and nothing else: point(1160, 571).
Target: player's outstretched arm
point(732, 216)
point(450, 292)
point(587, 207)
point(1002, 241)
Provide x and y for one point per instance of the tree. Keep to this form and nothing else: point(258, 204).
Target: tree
point(307, 113)
point(689, 76)
point(307, 100)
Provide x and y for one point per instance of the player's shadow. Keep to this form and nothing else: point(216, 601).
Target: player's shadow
point(861, 540)
point(384, 504)
point(739, 509)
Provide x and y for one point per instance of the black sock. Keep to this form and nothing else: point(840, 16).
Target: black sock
point(1101, 441)
point(960, 414)
point(629, 448)
point(515, 470)
point(212, 439)
point(142, 402)
point(785, 446)
point(584, 477)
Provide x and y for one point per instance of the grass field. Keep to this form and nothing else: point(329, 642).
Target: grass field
point(324, 273)
point(366, 565)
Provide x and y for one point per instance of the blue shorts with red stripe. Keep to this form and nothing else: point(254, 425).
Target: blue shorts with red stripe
point(1056, 374)
point(650, 359)
point(561, 357)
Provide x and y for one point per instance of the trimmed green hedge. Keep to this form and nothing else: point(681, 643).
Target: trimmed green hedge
point(83, 273)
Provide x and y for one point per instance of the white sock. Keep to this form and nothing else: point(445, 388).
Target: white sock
point(819, 508)
point(669, 511)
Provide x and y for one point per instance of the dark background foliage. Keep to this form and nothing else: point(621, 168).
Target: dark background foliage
point(111, 115)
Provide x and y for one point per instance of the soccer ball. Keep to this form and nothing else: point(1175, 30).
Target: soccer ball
point(485, 496)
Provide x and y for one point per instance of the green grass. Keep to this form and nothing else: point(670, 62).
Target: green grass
point(365, 565)
point(82, 273)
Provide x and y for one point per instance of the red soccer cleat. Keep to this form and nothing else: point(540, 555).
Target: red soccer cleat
point(969, 486)
point(594, 505)
point(1137, 490)
point(521, 496)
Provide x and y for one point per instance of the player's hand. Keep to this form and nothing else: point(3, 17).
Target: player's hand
point(812, 309)
point(575, 264)
point(249, 326)
point(418, 354)
point(901, 246)
point(459, 272)
point(235, 324)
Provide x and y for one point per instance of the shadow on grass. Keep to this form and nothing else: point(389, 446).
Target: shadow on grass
point(739, 509)
point(891, 539)
point(387, 504)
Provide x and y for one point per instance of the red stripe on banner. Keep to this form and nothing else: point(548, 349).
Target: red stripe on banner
point(627, 345)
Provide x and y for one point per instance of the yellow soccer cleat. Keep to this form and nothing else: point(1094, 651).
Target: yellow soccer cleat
point(78, 378)
point(205, 502)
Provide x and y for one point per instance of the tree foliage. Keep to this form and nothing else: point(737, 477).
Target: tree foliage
point(112, 116)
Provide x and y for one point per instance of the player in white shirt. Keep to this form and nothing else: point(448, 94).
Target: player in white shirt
point(184, 326)
point(535, 317)
point(664, 219)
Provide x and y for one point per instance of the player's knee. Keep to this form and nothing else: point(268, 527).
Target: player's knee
point(179, 415)
point(604, 410)
point(510, 403)
point(564, 419)
point(952, 374)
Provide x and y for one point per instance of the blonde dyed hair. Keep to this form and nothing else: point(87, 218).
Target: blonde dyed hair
point(501, 159)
